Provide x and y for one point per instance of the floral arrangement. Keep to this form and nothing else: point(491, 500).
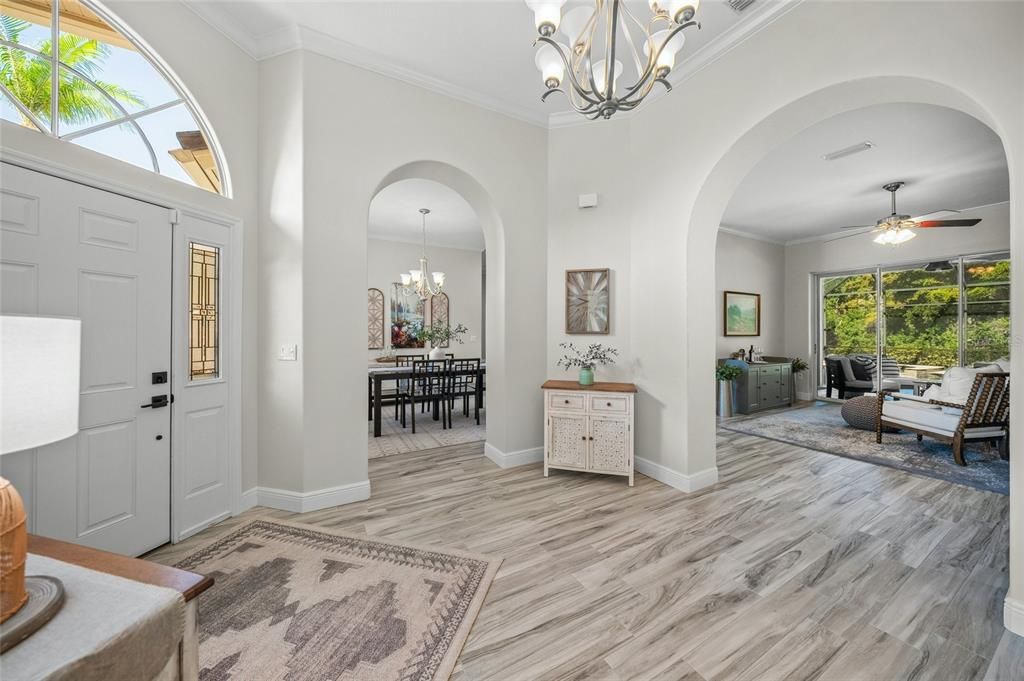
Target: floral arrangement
point(440, 333)
point(593, 355)
point(798, 365)
point(727, 372)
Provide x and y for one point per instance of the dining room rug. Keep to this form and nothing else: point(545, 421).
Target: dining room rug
point(429, 434)
point(821, 427)
point(292, 602)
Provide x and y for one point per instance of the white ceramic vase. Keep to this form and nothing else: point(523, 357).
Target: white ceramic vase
point(436, 353)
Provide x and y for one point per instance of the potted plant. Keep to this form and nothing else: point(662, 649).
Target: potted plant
point(439, 334)
point(587, 359)
point(725, 374)
point(798, 367)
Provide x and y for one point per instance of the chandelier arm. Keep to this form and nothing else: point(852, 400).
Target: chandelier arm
point(654, 60)
point(629, 36)
point(561, 54)
point(609, 61)
point(553, 90)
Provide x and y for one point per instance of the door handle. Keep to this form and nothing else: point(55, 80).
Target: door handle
point(157, 402)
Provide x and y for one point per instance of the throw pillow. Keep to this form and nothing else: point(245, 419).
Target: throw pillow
point(861, 372)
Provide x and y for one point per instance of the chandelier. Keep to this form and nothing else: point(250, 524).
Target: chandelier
point(416, 281)
point(593, 37)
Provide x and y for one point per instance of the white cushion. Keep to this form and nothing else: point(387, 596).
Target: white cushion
point(927, 416)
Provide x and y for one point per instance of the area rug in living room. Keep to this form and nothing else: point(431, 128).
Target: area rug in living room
point(822, 428)
point(292, 602)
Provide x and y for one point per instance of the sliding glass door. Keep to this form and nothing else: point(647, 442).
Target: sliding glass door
point(917, 319)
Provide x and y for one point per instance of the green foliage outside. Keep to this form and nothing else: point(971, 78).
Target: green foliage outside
point(921, 314)
point(28, 78)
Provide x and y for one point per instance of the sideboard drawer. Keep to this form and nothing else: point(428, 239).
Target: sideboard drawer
point(609, 404)
point(566, 401)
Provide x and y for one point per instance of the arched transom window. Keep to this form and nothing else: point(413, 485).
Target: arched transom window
point(99, 89)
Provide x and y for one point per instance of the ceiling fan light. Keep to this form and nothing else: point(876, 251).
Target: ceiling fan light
point(902, 236)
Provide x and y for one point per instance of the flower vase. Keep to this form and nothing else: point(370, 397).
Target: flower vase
point(586, 376)
point(725, 400)
point(436, 353)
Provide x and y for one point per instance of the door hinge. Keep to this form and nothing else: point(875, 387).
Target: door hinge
point(173, 215)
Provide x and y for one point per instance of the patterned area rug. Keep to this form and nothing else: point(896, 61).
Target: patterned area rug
point(821, 428)
point(429, 435)
point(295, 603)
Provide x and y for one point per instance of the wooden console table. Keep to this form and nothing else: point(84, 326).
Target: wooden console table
point(182, 666)
point(589, 427)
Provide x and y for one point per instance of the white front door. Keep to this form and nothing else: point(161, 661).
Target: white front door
point(202, 488)
point(75, 251)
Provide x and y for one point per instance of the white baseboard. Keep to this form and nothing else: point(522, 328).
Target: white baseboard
point(248, 499)
point(667, 476)
point(304, 502)
point(513, 459)
point(1013, 615)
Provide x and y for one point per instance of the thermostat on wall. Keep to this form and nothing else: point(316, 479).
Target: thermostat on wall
point(588, 200)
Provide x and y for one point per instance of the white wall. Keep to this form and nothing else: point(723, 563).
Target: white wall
point(589, 238)
point(386, 259)
point(346, 153)
point(752, 266)
point(223, 81)
point(815, 257)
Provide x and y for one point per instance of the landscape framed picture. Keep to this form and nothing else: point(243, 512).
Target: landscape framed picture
point(742, 313)
point(587, 301)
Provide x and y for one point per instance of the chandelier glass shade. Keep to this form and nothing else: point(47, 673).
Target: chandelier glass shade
point(416, 281)
point(578, 54)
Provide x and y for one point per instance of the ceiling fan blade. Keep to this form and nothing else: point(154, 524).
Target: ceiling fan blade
point(848, 235)
point(857, 227)
point(925, 224)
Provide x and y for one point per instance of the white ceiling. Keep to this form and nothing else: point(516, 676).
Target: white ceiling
point(948, 160)
point(452, 223)
point(476, 50)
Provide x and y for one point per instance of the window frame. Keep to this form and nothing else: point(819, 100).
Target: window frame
point(184, 97)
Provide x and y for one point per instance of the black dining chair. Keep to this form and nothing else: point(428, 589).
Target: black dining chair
point(463, 375)
point(403, 361)
point(425, 387)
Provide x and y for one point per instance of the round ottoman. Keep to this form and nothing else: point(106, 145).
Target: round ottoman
point(862, 412)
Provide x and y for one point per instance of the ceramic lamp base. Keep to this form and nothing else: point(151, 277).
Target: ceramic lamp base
point(45, 597)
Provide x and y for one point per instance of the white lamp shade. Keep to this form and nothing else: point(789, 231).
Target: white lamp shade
point(682, 10)
point(573, 23)
point(549, 63)
point(667, 58)
point(39, 380)
point(416, 275)
point(599, 75)
point(406, 279)
point(438, 277)
point(546, 12)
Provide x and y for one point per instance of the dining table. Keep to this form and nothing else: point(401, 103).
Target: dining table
point(378, 373)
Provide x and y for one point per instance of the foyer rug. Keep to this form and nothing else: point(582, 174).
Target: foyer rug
point(821, 428)
point(292, 602)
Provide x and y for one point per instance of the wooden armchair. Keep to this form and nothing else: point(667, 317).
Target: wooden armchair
point(985, 415)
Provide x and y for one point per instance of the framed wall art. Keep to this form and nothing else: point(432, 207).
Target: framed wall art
point(374, 319)
point(407, 317)
point(741, 313)
point(587, 301)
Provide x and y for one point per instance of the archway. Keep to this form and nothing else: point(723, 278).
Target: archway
point(494, 239)
point(722, 182)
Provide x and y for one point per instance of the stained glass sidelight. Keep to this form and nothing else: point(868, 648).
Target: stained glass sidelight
point(204, 299)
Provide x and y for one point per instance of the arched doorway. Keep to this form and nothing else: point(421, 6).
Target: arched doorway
point(490, 222)
point(720, 185)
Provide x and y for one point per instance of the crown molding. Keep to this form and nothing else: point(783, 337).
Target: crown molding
point(759, 17)
point(751, 235)
point(297, 37)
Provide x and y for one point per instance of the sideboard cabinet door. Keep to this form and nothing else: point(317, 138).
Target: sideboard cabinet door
point(567, 443)
point(609, 444)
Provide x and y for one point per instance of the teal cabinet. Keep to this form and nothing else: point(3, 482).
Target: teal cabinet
point(763, 385)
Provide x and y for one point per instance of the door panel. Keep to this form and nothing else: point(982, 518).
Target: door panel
point(202, 487)
point(609, 450)
point(568, 445)
point(71, 250)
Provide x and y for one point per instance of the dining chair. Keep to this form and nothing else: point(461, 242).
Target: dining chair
point(426, 387)
point(462, 381)
point(403, 361)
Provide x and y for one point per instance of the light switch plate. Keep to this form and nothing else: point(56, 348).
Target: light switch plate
point(288, 353)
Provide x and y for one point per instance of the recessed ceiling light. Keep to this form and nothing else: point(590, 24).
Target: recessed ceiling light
point(849, 151)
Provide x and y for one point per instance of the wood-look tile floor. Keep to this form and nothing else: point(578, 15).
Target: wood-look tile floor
point(797, 565)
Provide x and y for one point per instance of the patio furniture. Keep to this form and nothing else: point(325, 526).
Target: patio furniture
point(983, 415)
point(840, 376)
point(861, 412)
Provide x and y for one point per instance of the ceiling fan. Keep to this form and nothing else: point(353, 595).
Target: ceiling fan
point(896, 229)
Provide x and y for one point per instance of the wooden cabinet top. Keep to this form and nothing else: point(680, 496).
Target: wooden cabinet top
point(596, 387)
point(188, 584)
